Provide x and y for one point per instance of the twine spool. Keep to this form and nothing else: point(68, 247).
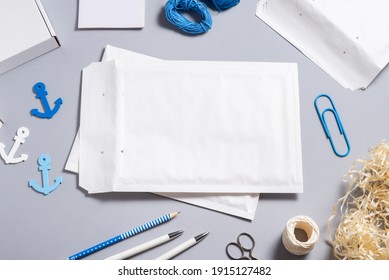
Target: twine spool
point(173, 15)
point(300, 235)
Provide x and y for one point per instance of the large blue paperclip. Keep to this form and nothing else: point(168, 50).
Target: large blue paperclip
point(325, 127)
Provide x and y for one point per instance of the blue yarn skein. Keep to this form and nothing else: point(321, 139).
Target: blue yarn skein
point(173, 7)
point(221, 5)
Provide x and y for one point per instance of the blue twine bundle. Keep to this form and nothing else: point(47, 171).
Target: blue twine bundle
point(173, 7)
point(221, 5)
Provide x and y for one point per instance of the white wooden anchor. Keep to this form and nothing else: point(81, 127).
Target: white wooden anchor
point(20, 137)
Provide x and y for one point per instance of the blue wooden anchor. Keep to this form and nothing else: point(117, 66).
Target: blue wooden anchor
point(41, 93)
point(44, 166)
point(19, 138)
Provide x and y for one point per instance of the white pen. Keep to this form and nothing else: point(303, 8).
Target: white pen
point(145, 246)
point(184, 246)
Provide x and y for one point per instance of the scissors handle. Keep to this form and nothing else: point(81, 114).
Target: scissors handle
point(249, 237)
point(241, 248)
point(233, 244)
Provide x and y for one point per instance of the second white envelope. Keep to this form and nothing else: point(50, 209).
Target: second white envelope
point(184, 126)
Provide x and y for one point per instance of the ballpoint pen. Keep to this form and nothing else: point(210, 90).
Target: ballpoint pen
point(145, 246)
point(184, 246)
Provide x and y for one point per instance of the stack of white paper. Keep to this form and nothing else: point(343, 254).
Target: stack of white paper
point(214, 134)
point(348, 39)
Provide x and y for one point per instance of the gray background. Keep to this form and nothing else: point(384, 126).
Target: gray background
point(34, 226)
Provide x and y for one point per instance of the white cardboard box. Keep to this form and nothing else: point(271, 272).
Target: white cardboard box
point(25, 32)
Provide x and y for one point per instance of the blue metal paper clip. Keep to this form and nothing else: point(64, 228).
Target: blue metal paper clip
point(325, 127)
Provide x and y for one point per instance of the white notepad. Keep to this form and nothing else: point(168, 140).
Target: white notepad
point(111, 14)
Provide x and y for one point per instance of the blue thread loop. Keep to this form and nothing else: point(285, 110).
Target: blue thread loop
point(173, 15)
point(338, 121)
point(221, 5)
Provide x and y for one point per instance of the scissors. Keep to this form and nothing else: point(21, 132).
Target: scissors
point(242, 249)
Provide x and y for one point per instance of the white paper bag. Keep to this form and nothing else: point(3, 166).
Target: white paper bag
point(242, 205)
point(348, 39)
point(211, 127)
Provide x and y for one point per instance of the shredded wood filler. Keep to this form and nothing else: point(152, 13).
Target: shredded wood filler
point(363, 230)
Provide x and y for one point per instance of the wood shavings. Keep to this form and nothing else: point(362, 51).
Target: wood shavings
point(363, 230)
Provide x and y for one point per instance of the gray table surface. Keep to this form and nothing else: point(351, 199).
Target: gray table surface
point(33, 226)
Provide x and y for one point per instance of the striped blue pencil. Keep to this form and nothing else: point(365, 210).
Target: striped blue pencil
point(123, 236)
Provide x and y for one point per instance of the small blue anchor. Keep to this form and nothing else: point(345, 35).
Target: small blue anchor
point(41, 93)
point(19, 138)
point(44, 166)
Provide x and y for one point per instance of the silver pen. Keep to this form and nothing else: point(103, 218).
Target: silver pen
point(184, 246)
